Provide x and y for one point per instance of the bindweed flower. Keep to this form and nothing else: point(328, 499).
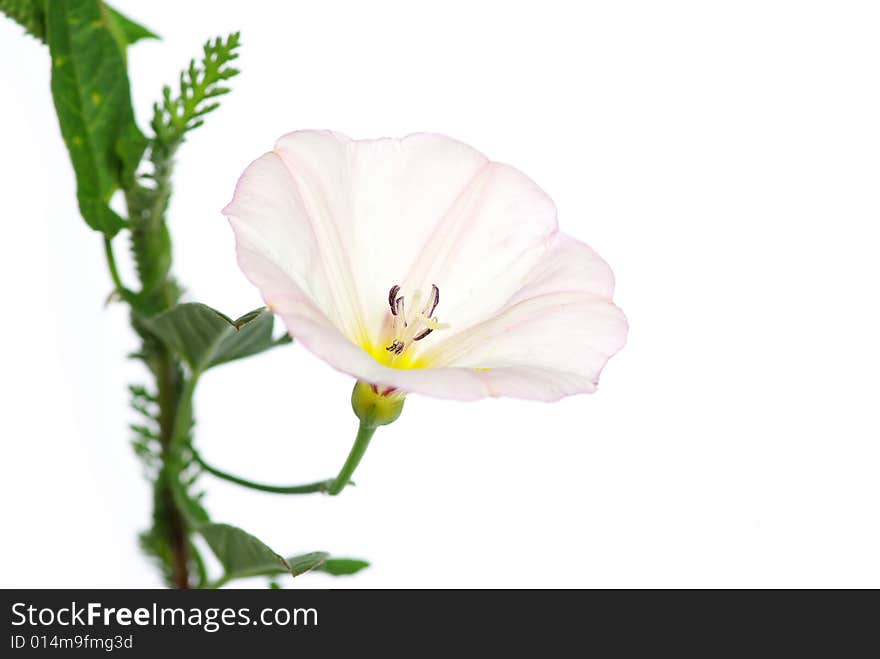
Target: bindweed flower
point(419, 265)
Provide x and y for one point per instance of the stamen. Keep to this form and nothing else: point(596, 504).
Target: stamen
point(436, 297)
point(416, 298)
point(396, 347)
point(421, 324)
point(422, 335)
point(434, 325)
point(391, 299)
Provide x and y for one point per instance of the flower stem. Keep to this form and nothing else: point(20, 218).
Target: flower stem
point(361, 442)
point(308, 488)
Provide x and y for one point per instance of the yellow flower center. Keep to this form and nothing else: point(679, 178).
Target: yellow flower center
point(410, 323)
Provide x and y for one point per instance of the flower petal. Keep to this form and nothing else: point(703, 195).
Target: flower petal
point(270, 219)
point(380, 200)
point(557, 332)
point(326, 225)
point(484, 247)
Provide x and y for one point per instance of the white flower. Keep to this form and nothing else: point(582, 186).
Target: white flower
point(418, 265)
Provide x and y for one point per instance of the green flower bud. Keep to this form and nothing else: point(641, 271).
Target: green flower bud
point(375, 408)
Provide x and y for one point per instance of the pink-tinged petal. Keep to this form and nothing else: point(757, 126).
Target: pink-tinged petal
point(552, 337)
point(270, 218)
point(568, 266)
point(379, 200)
point(484, 247)
point(531, 362)
point(326, 225)
point(544, 347)
point(318, 334)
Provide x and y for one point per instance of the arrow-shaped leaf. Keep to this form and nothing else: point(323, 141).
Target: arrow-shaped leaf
point(307, 562)
point(240, 553)
point(204, 337)
point(320, 561)
point(343, 566)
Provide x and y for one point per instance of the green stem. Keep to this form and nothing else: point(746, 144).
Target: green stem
point(169, 399)
point(184, 416)
point(308, 488)
point(361, 442)
point(124, 293)
point(111, 264)
point(200, 566)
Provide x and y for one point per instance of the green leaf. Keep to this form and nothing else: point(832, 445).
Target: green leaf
point(92, 99)
point(307, 562)
point(343, 566)
point(190, 506)
point(204, 337)
point(199, 88)
point(30, 14)
point(320, 561)
point(194, 331)
point(254, 335)
point(131, 31)
point(241, 554)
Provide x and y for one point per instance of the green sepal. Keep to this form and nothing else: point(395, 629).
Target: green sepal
point(375, 409)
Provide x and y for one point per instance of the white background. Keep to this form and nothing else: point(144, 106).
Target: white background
point(723, 157)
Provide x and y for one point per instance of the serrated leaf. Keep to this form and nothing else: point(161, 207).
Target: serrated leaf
point(241, 554)
point(190, 506)
point(30, 14)
point(176, 115)
point(92, 99)
point(204, 337)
